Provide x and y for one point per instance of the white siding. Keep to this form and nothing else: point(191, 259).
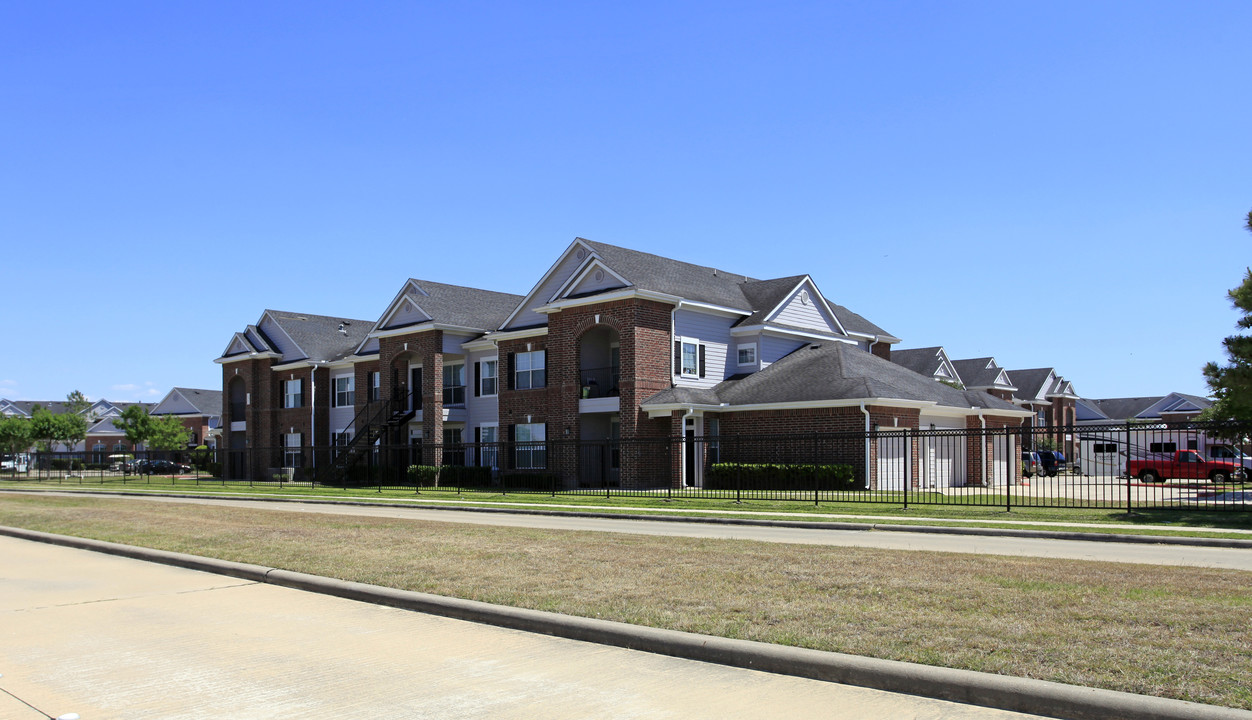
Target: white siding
point(714, 332)
point(340, 417)
point(527, 317)
point(589, 283)
point(478, 410)
point(407, 314)
point(810, 316)
point(772, 349)
point(280, 339)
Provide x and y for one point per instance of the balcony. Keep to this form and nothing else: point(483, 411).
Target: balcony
point(598, 390)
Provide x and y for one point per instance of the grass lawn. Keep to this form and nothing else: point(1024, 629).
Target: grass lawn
point(1207, 522)
point(1172, 632)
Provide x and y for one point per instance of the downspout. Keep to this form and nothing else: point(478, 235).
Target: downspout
point(867, 431)
point(983, 450)
point(312, 409)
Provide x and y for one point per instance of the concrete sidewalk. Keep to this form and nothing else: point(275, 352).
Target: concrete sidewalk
point(171, 639)
point(110, 637)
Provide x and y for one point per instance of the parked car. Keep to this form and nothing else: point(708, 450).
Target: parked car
point(18, 463)
point(160, 467)
point(1031, 464)
point(1053, 462)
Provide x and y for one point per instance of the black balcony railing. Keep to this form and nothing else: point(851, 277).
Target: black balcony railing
point(599, 382)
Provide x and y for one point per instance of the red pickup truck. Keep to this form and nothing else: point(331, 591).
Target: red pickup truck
point(1183, 465)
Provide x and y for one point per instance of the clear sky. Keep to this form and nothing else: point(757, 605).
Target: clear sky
point(1057, 184)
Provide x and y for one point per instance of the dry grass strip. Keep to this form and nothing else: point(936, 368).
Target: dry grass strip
point(1172, 632)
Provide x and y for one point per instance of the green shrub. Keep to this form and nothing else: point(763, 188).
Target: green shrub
point(530, 481)
point(449, 475)
point(780, 476)
point(67, 464)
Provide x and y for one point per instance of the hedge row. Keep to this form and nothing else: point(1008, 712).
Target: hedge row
point(780, 476)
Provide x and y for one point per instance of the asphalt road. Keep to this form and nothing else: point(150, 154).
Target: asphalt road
point(1154, 554)
point(110, 637)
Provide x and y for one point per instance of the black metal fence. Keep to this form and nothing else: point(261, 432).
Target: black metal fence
point(1126, 466)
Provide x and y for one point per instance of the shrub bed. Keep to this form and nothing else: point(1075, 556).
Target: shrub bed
point(780, 476)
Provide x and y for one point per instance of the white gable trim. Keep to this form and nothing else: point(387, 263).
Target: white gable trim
point(788, 333)
point(402, 299)
point(591, 263)
point(274, 320)
point(626, 294)
point(578, 243)
point(815, 293)
point(930, 407)
point(238, 340)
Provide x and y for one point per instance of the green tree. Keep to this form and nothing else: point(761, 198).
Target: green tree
point(1231, 384)
point(76, 402)
point(69, 429)
point(14, 434)
point(135, 424)
point(168, 433)
point(43, 428)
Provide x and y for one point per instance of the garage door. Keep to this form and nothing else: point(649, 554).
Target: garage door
point(892, 460)
point(942, 459)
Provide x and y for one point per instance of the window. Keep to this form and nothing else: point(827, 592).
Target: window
point(293, 453)
point(530, 452)
point(453, 449)
point(376, 386)
point(487, 372)
point(529, 370)
point(1104, 448)
point(712, 429)
point(339, 440)
point(747, 354)
point(488, 452)
point(454, 384)
point(688, 358)
point(1162, 447)
point(345, 391)
point(293, 393)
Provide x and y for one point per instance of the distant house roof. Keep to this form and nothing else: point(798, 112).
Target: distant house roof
point(1148, 408)
point(190, 401)
point(299, 336)
point(983, 373)
point(929, 361)
point(99, 408)
point(832, 372)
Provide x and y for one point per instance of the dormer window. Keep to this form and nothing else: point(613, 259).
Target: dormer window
point(747, 354)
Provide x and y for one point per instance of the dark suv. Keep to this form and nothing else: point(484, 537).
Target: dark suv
point(1053, 462)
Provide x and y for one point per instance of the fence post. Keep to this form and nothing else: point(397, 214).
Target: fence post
point(813, 461)
point(907, 479)
point(1126, 468)
point(1013, 465)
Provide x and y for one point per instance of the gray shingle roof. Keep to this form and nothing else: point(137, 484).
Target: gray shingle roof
point(1029, 382)
point(834, 371)
point(923, 361)
point(321, 337)
point(717, 287)
point(208, 402)
point(483, 310)
point(974, 372)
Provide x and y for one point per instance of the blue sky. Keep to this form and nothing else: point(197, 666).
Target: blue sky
point(1053, 184)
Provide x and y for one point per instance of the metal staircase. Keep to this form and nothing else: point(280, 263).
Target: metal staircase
point(378, 419)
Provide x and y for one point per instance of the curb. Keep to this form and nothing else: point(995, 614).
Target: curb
point(1026, 695)
point(819, 525)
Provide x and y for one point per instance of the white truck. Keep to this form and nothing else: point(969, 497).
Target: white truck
point(1104, 451)
point(14, 463)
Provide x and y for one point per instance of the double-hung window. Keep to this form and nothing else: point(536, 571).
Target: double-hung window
point(747, 354)
point(530, 452)
point(293, 393)
point(293, 453)
point(454, 384)
point(345, 391)
point(689, 358)
point(376, 386)
point(529, 369)
point(488, 372)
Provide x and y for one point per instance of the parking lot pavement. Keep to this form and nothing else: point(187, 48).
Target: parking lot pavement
point(110, 637)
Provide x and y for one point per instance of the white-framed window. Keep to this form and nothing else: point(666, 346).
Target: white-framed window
point(345, 391)
point(339, 440)
point(293, 452)
point(488, 375)
point(529, 451)
point(488, 451)
point(376, 386)
point(293, 393)
point(454, 384)
point(747, 354)
point(529, 370)
point(689, 358)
